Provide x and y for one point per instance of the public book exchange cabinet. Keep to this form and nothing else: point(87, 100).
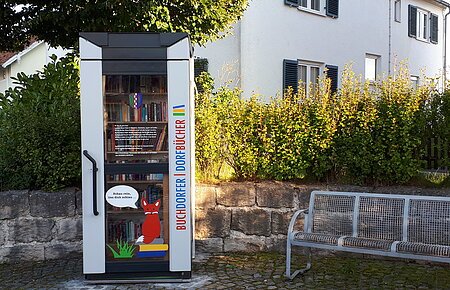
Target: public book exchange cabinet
point(137, 146)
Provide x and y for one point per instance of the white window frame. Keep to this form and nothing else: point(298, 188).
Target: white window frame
point(398, 10)
point(310, 64)
point(423, 25)
point(377, 68)
point(415, 81)
point(308, 7)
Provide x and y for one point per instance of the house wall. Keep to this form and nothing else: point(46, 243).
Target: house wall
point(29, 62)
point(272, 31)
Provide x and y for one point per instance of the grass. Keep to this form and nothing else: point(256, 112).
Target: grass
point(126, 251)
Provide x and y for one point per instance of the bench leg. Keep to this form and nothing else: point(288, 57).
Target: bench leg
point(288, 262)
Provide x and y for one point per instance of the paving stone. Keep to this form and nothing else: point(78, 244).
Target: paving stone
point(14, 204)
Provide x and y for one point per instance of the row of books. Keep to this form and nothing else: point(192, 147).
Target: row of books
point(124, 230)
point(122, 112)
point(135, 83)
point(136, 139)
point(136, 177)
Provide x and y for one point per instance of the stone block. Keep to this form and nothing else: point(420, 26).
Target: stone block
point(69, 229)
point(52, 204)
point(249, 244)
point(275, 195)
point(280, 222)
point(78, 202)
point(236, 194)
point(14, 204)
point(211, 245)
point(303, 196)
point(205, 196)
point(276, 244)
point(31, 230)
point(253, 221)
point(3, 232)
point(22, 253)
point(55, 251)
point(212, 223)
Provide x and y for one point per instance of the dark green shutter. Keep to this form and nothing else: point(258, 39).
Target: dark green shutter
point(412, 21)
point(333, 74)
point(333, 8)
point(291, 2)
point(290, 74)
point(200, 65)
point(434, 28)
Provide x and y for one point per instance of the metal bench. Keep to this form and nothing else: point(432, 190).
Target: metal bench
point(403, 226)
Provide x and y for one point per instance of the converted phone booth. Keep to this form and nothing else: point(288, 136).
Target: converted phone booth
point(137, 163)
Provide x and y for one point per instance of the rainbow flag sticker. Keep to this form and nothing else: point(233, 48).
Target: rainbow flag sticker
point(179, 111)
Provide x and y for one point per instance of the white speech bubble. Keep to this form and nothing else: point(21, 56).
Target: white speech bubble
point(122, 196)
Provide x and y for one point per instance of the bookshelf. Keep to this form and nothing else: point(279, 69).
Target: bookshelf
point(135, 132)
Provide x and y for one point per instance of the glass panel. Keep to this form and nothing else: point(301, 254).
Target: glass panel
point(302, 74)
point(303, 3)
point(398, 10)
point(135, 132)
point(135, 112)
point(315, 72)
point(371, 64)
point(315, 5)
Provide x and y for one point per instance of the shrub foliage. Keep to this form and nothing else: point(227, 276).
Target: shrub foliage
point(40, 129)
point(367, 133)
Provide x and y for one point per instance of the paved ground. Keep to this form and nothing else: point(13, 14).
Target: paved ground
point(248, 271)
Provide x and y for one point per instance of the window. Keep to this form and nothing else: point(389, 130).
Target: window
point(422, 25)
point(326, 7)
point(308, 74)
point(398, 10)
point(414, 81)
point(315, 5)
point(371, 67)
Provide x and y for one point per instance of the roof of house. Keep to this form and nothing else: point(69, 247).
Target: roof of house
point(4, 56)
point(11, 57)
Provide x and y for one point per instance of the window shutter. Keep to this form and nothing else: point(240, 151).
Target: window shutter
point(412, 21)
point(200, 65)
point(333, 8)
point(333, 74)
point(290, 75)
point(434, 28)
point(291, 2)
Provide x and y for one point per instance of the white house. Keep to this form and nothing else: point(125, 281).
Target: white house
point(279, 42)
point(29, 61)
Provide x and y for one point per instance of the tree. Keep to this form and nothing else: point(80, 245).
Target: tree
point(59, 22)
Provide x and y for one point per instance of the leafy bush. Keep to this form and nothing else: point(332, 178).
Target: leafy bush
point(365, 133)
point(40, 129)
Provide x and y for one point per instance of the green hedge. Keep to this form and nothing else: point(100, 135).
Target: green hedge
point(40, 129)
point(367, 133)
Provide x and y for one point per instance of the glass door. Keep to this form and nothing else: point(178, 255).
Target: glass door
point(136, 166)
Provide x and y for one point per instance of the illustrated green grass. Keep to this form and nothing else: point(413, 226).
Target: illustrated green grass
point(126, 251)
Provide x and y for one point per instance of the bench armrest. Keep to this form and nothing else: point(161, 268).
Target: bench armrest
point(294, 219)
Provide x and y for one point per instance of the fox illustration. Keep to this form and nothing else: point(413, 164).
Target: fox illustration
point(151, 228)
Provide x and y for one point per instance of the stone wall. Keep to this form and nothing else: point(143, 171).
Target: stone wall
point(36, 225)
point(230, 217)
point(254, 217)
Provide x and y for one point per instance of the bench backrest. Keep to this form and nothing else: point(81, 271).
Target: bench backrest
point(391, 217)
